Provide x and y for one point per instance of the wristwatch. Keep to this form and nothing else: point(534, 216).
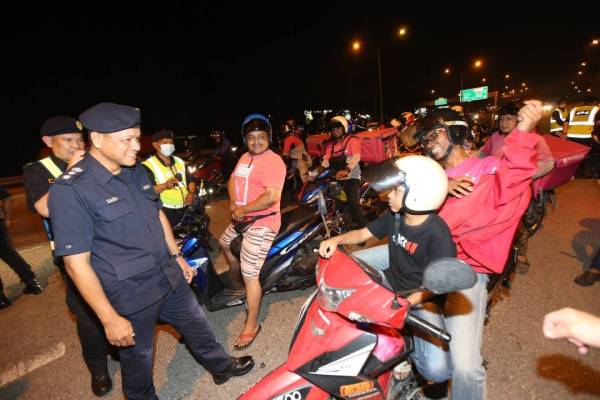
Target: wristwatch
point(176, 256)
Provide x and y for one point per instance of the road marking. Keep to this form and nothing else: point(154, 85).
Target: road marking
point(16, 371)
point(34, 248)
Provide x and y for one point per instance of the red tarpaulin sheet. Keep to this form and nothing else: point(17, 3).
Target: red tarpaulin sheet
point(567, 156)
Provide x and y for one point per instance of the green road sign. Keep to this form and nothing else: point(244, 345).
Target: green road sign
point(441, 101)
point(478, 93)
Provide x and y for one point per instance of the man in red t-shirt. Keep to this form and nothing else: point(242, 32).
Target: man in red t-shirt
point(254, 191)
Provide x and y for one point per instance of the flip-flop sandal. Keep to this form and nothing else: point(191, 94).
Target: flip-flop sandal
point(244, 336)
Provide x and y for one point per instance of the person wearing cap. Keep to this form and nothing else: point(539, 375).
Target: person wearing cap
point(64, 137)
point(119, 250)
point(169, 176)
point(508, 118)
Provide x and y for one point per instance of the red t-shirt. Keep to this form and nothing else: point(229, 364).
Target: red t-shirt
point(483, 224)
point(252, 176)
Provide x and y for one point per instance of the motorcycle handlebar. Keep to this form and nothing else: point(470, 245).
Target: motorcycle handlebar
point(423, 325)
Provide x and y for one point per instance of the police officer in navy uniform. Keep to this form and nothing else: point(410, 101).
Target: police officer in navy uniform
point(64, 137)
point(120, 252)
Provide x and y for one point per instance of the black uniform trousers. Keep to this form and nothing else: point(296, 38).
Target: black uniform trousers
point(174, 215)
point(10, 256)
point(180, 309)
point(92, 337)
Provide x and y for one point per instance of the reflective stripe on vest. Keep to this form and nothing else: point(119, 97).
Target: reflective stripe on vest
point(554, 126)
point(51, 166)
point(171, 198)
point(581, 122)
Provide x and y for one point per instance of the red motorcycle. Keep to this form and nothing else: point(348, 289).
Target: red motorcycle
point(352, 332)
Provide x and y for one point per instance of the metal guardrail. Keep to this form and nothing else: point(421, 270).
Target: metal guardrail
point(11, 180)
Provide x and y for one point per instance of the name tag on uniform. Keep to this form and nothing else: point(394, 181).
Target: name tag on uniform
point(146, 187)
point(243, 171)
point(112, 200)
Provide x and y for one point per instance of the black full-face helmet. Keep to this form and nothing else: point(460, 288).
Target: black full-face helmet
point(454, 123)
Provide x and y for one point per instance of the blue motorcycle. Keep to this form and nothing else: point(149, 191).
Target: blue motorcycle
point(290, 263)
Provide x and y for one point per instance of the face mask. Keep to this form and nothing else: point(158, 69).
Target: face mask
point(167, 149)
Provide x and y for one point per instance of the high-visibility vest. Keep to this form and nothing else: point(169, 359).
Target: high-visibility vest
point(171, 198)
point(55, 171)
point(554, 125)
point(581, 122)
point(51, 166)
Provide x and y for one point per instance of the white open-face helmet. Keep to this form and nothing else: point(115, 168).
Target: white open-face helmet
point(424, 181)
point(338, 120)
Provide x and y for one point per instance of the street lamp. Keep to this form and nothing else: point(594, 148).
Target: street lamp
point(478, 63)
point(356, 46)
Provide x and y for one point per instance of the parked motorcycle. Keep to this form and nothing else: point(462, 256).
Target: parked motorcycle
point(352, 331)
point(323, 181)
point(194, 239)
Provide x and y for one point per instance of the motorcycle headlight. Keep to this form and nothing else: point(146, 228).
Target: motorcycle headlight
point(330, 298)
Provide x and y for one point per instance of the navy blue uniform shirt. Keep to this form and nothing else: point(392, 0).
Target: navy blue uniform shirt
point(116, 218)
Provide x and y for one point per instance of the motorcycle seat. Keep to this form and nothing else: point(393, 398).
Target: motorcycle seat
point(291, 221)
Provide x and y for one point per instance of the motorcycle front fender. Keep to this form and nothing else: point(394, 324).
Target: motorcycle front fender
point(282, 384)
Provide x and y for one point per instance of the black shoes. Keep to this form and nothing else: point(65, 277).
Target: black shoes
point(32, 287)
point(101, 384)
point(588, 278)
point(4, 301)
point(239, 366)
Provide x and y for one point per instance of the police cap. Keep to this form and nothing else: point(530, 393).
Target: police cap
point(60, 125)
point(162, 134)
point(110, 117)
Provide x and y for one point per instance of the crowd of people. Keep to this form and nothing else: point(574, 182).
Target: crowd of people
point(109, 219)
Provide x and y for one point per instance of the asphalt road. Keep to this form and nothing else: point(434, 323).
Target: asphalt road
point(37, 334)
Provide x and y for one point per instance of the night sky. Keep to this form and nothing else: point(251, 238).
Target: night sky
point(195, 69)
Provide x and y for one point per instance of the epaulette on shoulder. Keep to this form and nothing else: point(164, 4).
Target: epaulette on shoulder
point(71, 176)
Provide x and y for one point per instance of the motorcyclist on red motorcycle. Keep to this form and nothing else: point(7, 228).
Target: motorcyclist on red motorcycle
point(417, 236)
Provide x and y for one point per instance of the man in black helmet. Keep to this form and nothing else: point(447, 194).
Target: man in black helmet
point(482, 223)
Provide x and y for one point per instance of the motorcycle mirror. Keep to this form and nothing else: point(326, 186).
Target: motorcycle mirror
point(447, 275)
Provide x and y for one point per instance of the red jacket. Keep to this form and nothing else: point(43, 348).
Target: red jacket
point(483, 224)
